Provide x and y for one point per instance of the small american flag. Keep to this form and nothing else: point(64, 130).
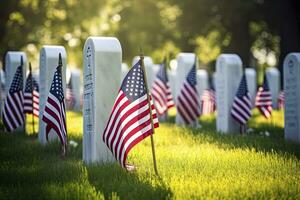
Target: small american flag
point(208, 102)
point(281, 100)
point(130, 121)
point(13, 113)
point(31, 95)
point(241, 107)
point(55, 112)
point(263, 100)
point(161, 91)
point(70, 98)
point(188, 104)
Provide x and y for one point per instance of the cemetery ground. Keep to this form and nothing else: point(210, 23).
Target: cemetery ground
point(192, 164)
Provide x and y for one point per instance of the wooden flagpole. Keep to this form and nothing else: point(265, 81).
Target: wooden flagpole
point(32, 85)
point(151, 117)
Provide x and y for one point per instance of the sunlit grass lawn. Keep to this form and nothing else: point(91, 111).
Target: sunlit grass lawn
point(192, 164)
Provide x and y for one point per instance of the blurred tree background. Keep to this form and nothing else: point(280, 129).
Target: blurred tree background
point(262, 32)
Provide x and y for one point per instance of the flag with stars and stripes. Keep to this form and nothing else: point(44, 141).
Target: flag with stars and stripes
point(55, 112)
point(130, 119)
point(208, 102)
point(161, 91)
point(188, 104)
point(13, 112)
point(241, 107)
point(31, 96)
point(281, 100)
point(263, 100)
point(70, 97)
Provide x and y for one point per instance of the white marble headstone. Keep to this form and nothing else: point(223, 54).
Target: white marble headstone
point(76, 84)
point(102, 60)
point(273, 76)
point(125, 70)
point(12, 61)
point(49, 55)
point(185, 62)
point(148, 67)
point(292, 97)
point(252, 83)
point(229, 74)
point(202, 81)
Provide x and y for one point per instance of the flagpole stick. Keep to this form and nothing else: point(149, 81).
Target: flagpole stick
point(30, 71)
point(151, 117)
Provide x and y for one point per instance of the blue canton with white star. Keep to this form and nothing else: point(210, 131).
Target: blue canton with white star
point(191, 78)
point(31, 84)
point(56, 86)
point(162, 73)
point(133, 84)
point(243, 88)
point(17, 83)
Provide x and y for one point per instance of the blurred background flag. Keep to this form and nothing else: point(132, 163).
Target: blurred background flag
point(130, 121)
point(13, 113)
point(55, 112)
point(241, 107)
point(188, 104)
point(281, 100)
point(70, 98)
point(161, 91)
point(31, 95)
point(263, 100)
point(208, 102)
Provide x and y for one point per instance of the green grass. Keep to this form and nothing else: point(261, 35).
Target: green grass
point(192, 164)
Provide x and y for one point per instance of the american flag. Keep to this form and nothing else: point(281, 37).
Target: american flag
point(241, 107)
point(13, 113)
point(263, 100)
point(55, 112)
point(208, 102)
point(70, 98)
point(130, 120)
point(281, 100)
point(31, 95)
point(161, 91)
point(187, 100)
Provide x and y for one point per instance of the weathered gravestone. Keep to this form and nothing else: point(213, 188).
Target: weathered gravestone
point(292, 97)
point(202, 81)
point(49, 55)
point(76, 83)
point(101, 79)
point(229, 74)
point(148, 63)
point(252, 83)
point(12, 61)
point(124, 71)
point(273, 76)
point(185, 62)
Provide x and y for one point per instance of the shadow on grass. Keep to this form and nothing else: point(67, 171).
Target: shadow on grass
point(31, 171)
point(111, 179)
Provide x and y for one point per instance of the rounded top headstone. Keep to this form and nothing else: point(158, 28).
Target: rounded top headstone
point(250, 72)
point(15, 56)
point(202, 73)
point(53, 51)
point(292, 59)
point(107, 44)
point(232, 59)
point(147, 60)
point(273, 70)
point(186, 57)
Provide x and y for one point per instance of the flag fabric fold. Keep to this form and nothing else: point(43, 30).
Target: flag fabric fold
point(54, 114)
point(188, 104)
point(208, 102)
point(161, 91)
point(31, 96)
point(70, 97)
point(241, 107)
point(281, 100)
point(263, 100)
point(13, 111)
point(129, 122)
